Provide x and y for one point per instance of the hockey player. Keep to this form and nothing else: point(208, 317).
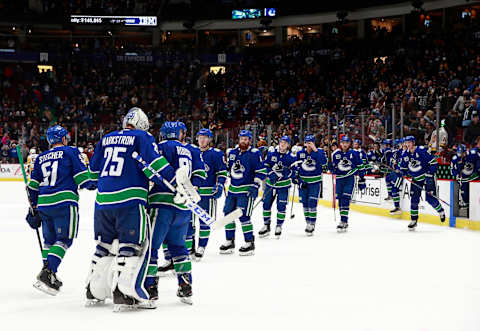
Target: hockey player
point(170, 217)
point(394, 178)
point(345, 165)
point(465, 167)
point(212, 187)
point(309, 180)
point(247, 172)
point(32, 156)
point(357, 147)
point(374, 156)
point(120, 212)
point(421, 166)
point(57, 174)
point(385, 162)
point(198, 176)
point(278, 164)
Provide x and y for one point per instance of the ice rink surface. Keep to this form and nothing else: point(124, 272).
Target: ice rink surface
point(378, 276)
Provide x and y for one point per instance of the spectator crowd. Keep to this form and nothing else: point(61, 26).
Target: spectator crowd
point(320, 83)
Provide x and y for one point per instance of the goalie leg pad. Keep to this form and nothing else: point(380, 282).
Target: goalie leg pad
point(100, 276)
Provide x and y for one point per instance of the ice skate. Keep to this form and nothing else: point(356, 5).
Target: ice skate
point(47, 282)
point(199, 253)
point(396, 211)
point(342, 227)
point(278, 231)
point(184, 291)
point(228, 247)
point(309, 229)
point(413, 225)
point(122, 302)
point(264, 231)
point(247, 249)
point(91, 300)
point(166, 269)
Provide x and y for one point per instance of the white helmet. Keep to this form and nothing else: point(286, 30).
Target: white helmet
point(136, 118)
point(80, 149)
point(33, 151)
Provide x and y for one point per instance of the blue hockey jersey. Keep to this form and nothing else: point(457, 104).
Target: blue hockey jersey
point(470, 167)
point(216, 171)
point(199, 173)
point(386, 159)
point(346, 164)
point(122, 181)
point(418, 164)
point(177, 155)
point(281, 164)
point(311, 165)
point(57, 174)
point(244, 168)
point(363, 157)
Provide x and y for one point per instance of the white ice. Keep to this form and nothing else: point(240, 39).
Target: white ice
point(378, 276)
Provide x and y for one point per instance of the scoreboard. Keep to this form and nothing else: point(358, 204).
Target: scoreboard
point(115, 20)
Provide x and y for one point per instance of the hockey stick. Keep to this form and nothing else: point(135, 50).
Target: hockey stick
point(20, 159)
point(292, 215)
point(418, 186)
point(192, 206)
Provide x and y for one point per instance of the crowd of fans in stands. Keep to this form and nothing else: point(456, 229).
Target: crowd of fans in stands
point(277, 91)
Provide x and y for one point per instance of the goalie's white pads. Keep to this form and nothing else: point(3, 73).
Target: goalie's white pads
point(131, 273)
point(182, 175)
point(100, 277)
point(185, 189)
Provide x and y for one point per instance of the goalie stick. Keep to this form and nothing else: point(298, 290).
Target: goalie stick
point(192, 206)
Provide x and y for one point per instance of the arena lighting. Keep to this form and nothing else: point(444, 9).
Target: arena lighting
point(217, 69)
point(44, 68)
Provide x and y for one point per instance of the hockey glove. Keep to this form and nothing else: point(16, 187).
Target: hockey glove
point(253, 191)
point(361, 183)
point(33, 219)
point(217, 192)
point(273, 177)
point(185, 189)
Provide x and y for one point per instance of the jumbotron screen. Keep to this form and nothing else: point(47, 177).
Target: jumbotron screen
point(117, 20)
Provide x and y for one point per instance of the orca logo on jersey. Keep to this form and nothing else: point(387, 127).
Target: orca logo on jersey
point(278, 167)
point(308, 164)
point(468, 169)
point(414, 165)
point(345, 165)
point(207, 168)
point(237, 170)
point(274, 159)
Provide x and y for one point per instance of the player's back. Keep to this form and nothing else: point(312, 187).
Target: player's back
point(177, 155)
point(56, 175)
point(121, 181)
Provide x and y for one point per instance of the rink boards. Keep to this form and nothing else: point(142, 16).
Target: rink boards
point(370, 201)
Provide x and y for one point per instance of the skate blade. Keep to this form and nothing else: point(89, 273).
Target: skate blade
point(227, 252)
point(44, 288)
point(341, 230)
point(149, 304)
point(247, 253)
point(412, 229)
point(117, 308)
point(265, 235)
point(198, 258)
point(309, 234)
point(277, 236)
point(396, 213)
point(94, 303)
point(187, 301)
